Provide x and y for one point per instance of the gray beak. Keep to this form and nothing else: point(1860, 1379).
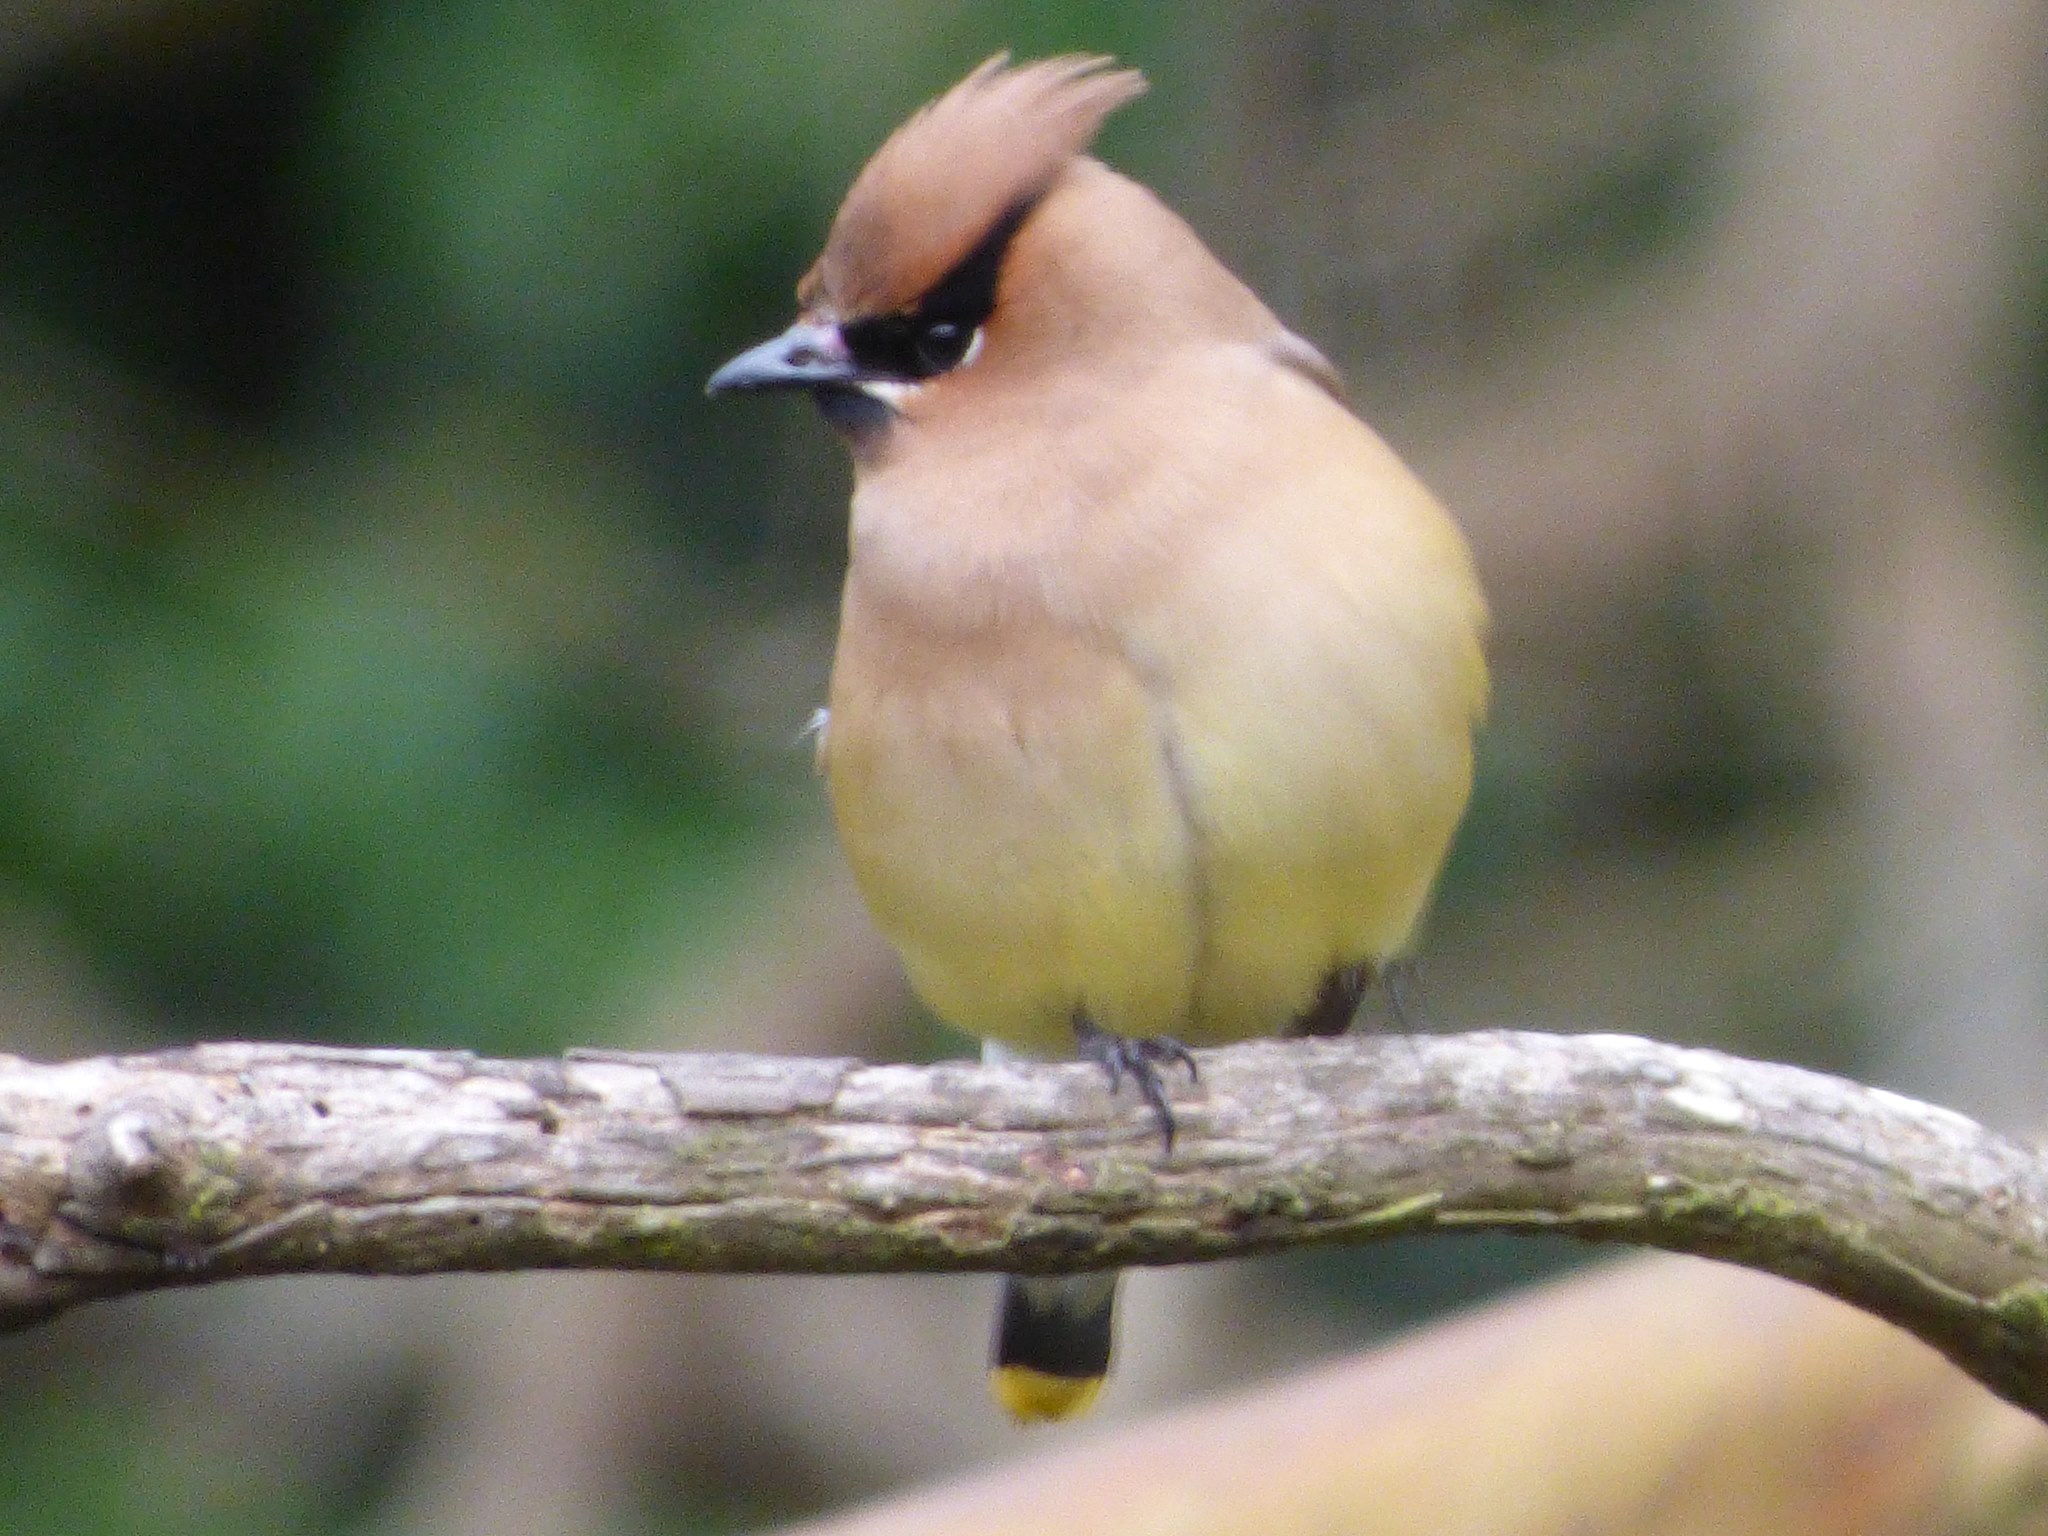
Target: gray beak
point(805, 356)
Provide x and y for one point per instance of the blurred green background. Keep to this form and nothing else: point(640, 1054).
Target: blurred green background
point(395, 647)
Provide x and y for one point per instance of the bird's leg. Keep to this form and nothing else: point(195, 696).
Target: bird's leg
point(1140, 1057)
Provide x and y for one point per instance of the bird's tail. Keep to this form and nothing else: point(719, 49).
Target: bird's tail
point(1052, 1344)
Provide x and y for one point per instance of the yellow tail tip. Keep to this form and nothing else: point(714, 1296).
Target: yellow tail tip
point(1037, 1397)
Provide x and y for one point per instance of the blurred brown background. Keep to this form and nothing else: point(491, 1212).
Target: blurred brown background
point(395, 647)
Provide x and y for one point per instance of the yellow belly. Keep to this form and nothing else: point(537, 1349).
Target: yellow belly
point(1039, 832)
point(1019, 845)
point(1162, 737)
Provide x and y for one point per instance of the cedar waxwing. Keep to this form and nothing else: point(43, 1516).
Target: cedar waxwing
point(1152, 712)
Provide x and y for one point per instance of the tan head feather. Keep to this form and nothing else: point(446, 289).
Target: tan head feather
point(942, 180)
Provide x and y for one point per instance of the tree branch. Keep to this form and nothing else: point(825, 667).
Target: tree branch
point(182, 1167)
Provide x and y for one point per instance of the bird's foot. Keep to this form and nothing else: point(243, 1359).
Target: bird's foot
point(1140, 1058)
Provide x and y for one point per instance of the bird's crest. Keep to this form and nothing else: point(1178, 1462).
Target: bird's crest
point(944, 180)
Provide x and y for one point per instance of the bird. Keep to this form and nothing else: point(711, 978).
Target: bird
point(1152, 712)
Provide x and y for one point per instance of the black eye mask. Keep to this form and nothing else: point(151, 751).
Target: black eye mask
point(935, 336)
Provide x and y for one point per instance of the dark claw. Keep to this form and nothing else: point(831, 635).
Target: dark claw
point(1139, 1057)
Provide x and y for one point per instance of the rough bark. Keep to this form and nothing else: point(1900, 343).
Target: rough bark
point(220, 1161)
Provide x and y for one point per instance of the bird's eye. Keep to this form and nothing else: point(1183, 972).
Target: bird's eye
point(911, 347)
point(943, 345)
point(943, 330)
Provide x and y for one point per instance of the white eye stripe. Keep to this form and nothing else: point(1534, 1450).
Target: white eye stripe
point(973, 348)
point(893, 393)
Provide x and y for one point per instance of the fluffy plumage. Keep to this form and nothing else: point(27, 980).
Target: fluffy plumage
point(1157, 670)
point(1138, 706)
